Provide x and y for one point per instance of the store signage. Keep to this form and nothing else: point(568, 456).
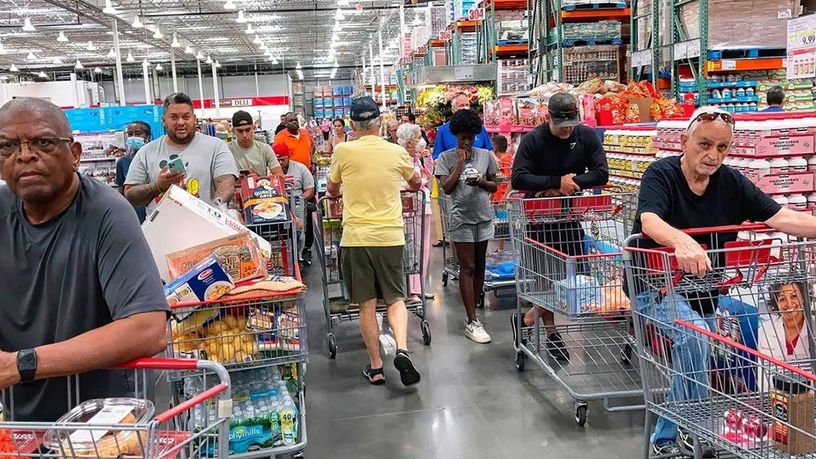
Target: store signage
point(243, 102)
point(801, 62)
point(476, 14)
point(446, 35)
point(463, 72)
point(642, 58)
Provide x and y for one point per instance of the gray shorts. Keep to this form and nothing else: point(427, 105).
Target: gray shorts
point(472, 233)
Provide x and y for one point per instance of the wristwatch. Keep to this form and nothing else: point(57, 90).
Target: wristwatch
point(27, 364)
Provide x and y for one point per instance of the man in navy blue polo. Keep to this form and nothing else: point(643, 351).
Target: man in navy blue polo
point(446, 141)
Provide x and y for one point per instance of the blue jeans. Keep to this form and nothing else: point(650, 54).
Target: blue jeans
point(690, 353)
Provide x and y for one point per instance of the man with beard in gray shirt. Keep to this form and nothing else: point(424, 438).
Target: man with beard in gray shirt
point(80, 291)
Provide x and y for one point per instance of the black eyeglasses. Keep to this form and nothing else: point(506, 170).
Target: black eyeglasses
point(712, 116)
point(41, 145)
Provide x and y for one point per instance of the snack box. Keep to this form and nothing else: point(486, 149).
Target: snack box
point(181, 221)
point(206, 281)
point(237, 254)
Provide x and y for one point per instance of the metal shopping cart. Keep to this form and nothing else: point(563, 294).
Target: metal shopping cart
point(725, 372)
point(171, 434)
point(328, 232)
point(568, 261)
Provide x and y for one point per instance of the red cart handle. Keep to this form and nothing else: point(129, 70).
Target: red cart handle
point(157, 363)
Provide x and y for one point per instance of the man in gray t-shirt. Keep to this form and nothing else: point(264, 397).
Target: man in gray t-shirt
point(77, 274)
point(209, 167)
point(251, 155)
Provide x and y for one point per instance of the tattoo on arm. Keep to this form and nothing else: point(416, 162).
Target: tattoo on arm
point(225, 187)
point(141, 195)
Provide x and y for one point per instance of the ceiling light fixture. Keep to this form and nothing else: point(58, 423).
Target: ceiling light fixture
point(175, 43)
point(200, 56)
point(274, 61)
point(109, 8)
point(78, 65)
point(263, 47)
point(61, 37)
point(27, 27)
point(13, 68)
point(31, 57)
point(229, 5)
point(111, 54)
point(343, 3)
point(91, 46)
point(241, 19)
point(189, 50)
point(249, 30)
point(42, 74)
point(339, 16)
point(209, 60)
point(97, 70)
point(417, 21)
point(157, 34)
point(159, 67)
point(57, 61)
point(257, 40)
point(217, 65)
point(130, 57)
point(137, 24)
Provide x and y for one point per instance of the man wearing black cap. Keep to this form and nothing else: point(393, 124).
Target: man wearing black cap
point(250, 155)
point(370, 171)
point(558, 158)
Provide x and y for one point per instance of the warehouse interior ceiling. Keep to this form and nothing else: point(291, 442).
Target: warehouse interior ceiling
point(269, 36)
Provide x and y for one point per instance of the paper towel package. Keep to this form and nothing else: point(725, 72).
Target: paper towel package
point(181, 221)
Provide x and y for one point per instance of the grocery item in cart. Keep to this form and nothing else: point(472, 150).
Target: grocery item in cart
point(579, 293)
point(206, 281)
point(237, 254)
point(103, 441)
point(265, 204)
point(793, 427)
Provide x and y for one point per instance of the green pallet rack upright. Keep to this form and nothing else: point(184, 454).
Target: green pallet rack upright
point(691, 51)
point(649, 54)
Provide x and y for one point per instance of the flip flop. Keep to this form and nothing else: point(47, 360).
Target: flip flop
point(439, 243)
point(371, 374)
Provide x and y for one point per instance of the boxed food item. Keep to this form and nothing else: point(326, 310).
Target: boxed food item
point(265, 203)
point(206, 281)
point(181, 221)
point(237, 254)
point(100, 441)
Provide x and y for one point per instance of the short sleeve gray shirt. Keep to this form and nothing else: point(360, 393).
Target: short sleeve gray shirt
point(84, 269)
point(303, 179)
point(205, 158)
point(469, 205)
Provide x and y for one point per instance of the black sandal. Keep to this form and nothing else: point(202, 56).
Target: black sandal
point(439, 243)
point(371, 373)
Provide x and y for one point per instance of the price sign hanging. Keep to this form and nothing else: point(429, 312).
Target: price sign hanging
point(801, 61)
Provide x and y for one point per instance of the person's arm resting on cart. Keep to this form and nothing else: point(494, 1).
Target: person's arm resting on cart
point(598, 168)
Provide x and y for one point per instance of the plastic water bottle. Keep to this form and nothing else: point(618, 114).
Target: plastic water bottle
point(288, 420)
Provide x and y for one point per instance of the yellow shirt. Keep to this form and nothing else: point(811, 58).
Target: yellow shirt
point(370, 170)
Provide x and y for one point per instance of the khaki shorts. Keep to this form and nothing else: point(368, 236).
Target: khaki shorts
point(374, 272)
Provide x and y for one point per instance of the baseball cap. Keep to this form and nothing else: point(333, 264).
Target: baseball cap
point(241, 118)
point(281, 150)
point(364, 108)
point(563, 110)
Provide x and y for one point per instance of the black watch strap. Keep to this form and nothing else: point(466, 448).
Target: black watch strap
point(27, 364)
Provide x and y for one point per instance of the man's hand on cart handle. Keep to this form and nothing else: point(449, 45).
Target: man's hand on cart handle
point(568, 186)
point(691, 257)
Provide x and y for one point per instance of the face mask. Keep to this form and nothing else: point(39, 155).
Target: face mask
point(420, 146)
point(135, 143)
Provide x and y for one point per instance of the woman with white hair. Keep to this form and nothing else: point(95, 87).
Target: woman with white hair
point(409, 136)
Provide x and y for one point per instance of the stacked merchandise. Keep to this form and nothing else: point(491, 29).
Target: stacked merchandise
point(513, 76)
point(728, 19)
point(99, 154)
point(470, 50)
point(298, 99)
point(332, 101)
point(748, 91)
point(598, 31)
point(583, 63)
point(511, 27)
point(630, 150)
point(777, 154)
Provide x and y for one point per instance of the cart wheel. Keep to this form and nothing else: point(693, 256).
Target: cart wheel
point(481, 303)
point(426, 332)
point(521, 358)
point(332, 346)
point(580, 413)
point(626, 354)
point(444, 279)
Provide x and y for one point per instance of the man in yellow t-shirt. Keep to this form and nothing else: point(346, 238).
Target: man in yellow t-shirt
point(370, 171)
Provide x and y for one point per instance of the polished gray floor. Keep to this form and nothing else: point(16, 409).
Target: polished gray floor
point(471, 403)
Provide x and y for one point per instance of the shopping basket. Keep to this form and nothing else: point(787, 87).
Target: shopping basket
point(167, 435)
point(714, 351)
point(568, 261)
point(328, 233)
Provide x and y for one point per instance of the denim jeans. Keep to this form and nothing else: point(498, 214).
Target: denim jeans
point(690, 352)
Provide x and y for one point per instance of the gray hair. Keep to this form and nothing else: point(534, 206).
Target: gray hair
point(368, 125)
point(407, 132)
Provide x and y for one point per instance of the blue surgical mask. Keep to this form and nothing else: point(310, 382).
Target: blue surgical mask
point(135, 143)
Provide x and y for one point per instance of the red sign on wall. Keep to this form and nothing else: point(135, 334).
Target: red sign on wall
point(243, 102)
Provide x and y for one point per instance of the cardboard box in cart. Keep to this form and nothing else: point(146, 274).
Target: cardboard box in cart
point(181, 221)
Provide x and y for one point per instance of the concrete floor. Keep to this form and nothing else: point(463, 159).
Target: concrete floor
point(472, 402)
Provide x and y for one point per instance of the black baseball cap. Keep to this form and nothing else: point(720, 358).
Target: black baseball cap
point(241, 118)
point(563, 110)
point(364, 108)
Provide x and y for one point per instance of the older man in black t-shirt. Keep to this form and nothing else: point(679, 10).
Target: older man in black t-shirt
point(80, 290)
point(696, 190)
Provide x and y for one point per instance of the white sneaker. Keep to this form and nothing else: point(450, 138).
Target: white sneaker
point(475, 332)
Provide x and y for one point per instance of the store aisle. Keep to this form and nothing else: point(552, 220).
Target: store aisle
point(471, 403)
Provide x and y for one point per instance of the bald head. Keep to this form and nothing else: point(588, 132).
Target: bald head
point(43, 109)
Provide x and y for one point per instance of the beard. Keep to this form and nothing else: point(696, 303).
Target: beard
point(182, 141)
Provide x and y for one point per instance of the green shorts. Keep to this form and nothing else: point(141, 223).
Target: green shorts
point(374, 272)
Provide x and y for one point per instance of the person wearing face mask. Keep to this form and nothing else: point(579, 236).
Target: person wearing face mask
point(137, 135)
point(445, 140)
point(409, 136)
point(558, 158)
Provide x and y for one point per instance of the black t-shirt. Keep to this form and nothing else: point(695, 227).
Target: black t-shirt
point(730, 199)
point(80, 271)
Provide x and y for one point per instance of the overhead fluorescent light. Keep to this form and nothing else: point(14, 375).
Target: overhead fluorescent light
point(159, 67)
point(109, 8)
point(189, 50)
point(339, 16)
point(249, 30)
point(257, 40)
point(13, 68)
point(229, 5)
point(61, 37)
point(241, 18)
point(97, 70)
point(298, 67)
point(417, 21)
point(209, 60)
point(157, 34)
point(137, 24)
point(262, 47)
point(91, 46)
point(111, 54)
point(79, 65)
point(31, 57)
point(175, 43)
point(27, 27)
point(130, 57)
point(274, 61)
point(217, 65)
point(42, 74)
point(200, 56)
point(57, 61)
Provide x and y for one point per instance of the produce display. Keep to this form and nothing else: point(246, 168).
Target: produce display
point(434, 100)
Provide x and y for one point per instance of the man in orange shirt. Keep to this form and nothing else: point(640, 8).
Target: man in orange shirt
point(297, 140)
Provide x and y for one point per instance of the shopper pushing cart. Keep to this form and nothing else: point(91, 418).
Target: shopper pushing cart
point(692, 191)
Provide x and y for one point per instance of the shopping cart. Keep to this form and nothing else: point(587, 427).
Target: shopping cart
point(568, 261)
point(724, 372)
point(328, 232)
point(168, 435)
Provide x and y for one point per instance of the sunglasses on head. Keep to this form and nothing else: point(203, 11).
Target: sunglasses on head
point(712, 116)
